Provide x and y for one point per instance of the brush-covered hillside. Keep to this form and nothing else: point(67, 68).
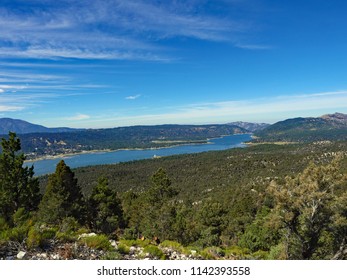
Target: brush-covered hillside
point(329, 127)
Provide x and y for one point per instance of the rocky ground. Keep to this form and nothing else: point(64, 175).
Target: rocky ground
point(55, 250)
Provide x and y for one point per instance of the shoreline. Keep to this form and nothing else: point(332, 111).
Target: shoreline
point(67, 155)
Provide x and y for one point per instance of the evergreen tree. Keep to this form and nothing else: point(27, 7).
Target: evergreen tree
point(161, 189)
point(18, 188)
point(63, 197)
point(105, 211)
point(158, 206)
point(313, 210)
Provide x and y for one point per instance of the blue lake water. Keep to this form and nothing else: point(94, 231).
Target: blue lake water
point(47, 166)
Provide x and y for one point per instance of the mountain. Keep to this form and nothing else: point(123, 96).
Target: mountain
point(338, 119)
point(327, 127)
point(23, 127)
point(251, 127)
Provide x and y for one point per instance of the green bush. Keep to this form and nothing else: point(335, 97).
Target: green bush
point(237, 253)
point(175, 246)
point(129, 234)
point(155, 252)
point(3, 225)
point(66, 236)
point(39, 236)
point(100, 242)
point(18, 233)
point(34, 238)
point(278, 252)
point(69, 224)
point(212, 253)
point(20, 216)
point(123, 249)
point(261, 255)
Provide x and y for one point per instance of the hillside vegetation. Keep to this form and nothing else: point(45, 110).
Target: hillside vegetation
point(261, 202)
point(330, 127)
point(47, 144)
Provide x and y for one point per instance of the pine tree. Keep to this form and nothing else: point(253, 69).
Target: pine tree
point(158, 206)
point(105, 211)
point(18, 188)
point(63, 197)
point(313, 211)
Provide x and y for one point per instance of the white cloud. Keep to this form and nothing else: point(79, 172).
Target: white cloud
point(256, 110)
point(78, 117)
point(133, 97)
point(10, 108)
point(2, 90)
point(110, 29)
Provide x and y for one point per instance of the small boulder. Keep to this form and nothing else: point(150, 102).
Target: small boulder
point(21, 255)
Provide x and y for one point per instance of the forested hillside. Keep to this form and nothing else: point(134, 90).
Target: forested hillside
point(330, 127)
point(48, 144)
point(261, 202)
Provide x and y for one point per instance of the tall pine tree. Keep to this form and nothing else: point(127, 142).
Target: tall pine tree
point(63, 197)
point(18, 188)
point(105, 210)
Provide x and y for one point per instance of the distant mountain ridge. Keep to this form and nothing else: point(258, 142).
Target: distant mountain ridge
point(251, 127)
point(24, 127)
point(337, 118)
point(327, 127)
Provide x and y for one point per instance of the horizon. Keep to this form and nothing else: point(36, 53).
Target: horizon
point(116, 63)
point(163, 124)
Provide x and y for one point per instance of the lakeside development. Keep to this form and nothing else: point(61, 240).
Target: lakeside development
point(47, 164)
point(175, 143)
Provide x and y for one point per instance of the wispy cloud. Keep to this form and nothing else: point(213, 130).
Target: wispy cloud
point(109, 29)
point(253, 46)
point(133, 97)
point(10, 108)
point(78, 117)
point(258, 110)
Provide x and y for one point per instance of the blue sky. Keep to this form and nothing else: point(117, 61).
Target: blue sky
point(108, 63)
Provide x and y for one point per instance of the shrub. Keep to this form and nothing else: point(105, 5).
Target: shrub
point(100, 242)
point(129, 234)
point(154, 251)
point(18, 233)
point(123, 249)
point(66, 236)
point(3, 224)
point(34, 238)
point(39, 237)
point(261, 255)
point(69, 224)
point(175, 246)
point(278, 252)
point(20, 216)
point(212, 253)
point(237, 253)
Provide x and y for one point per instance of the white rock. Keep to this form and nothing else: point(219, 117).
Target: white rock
point(132, 249)
point(113, 243)
point(21, 255)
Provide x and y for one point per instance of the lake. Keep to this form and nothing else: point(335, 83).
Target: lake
point(46, 166)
